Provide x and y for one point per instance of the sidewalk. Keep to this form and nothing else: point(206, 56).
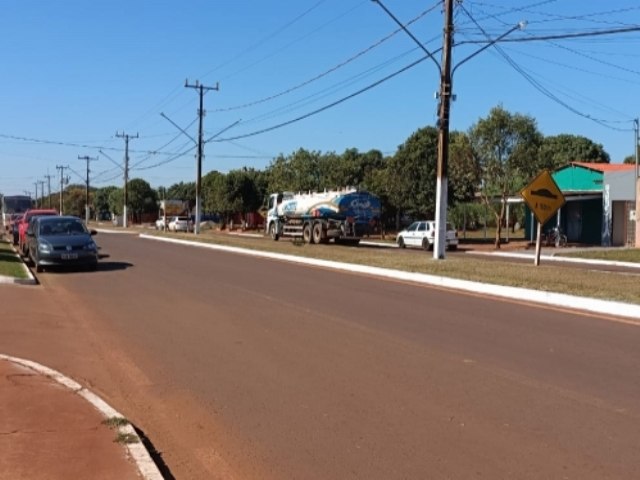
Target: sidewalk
point(51, 428)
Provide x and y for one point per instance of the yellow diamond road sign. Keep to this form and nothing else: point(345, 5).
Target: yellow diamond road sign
point(543, 196)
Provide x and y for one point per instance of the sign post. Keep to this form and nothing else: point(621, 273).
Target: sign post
point(544, 198)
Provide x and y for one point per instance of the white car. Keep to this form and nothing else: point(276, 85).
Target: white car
point(179, 224)
point(423, 234)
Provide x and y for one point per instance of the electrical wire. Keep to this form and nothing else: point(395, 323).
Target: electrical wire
point(546, 92)
point(332, 69)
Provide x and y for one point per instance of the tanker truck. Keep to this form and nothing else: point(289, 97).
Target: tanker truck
point(342, 215)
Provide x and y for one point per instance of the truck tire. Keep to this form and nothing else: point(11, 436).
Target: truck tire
point(401, 242)
point(273, 232)
point(317, 234)
point(426, 245)
point(306, 233)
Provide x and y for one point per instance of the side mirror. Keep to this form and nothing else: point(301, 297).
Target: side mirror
point(93, 232)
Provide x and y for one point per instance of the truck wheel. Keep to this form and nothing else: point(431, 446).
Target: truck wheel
point(317, 233)
point(306, 233)
point(426, 245)
point(273, 233)
point(401, 242)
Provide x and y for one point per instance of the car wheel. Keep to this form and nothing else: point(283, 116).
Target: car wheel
point(401, 242)
point(425, 244)
point(453, 247)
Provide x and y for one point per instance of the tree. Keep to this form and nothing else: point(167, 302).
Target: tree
point(101, 200)
point(183, 191)
point(411, 175)
point(464, 171)
point(141, 198)
point(74, 200)
point(560, 150)
point(298, 172)
point(506, 146)
point(631, 158)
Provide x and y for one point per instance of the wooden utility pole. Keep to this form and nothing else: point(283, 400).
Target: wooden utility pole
point(126, 173)
point(88, 159)
point(62, 182)
point(201, 90)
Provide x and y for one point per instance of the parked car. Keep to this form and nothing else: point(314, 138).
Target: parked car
point(423, 234)
point(179, 224)
point(61, 241)
point(24, 224)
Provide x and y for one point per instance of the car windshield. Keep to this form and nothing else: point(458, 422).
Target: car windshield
point(62, 227)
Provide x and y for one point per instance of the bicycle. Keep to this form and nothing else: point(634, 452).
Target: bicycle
point(556, 238)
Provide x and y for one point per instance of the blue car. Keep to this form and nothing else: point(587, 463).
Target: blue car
point(61, 241)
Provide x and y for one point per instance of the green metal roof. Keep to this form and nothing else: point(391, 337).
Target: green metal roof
point(578, 178)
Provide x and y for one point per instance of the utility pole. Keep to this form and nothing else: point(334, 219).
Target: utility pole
point(48, 177)
point(41, 183)
point(62, 182)
point(636, 186)
point(201, 90)
point(443, 134)
point(88, 159)
point(35, 184)
point(126, 173)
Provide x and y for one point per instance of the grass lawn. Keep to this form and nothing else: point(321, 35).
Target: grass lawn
point(10, 263)
point(618, 255)
point(547, 277)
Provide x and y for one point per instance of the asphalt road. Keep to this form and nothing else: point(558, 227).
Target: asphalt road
point(245, 368)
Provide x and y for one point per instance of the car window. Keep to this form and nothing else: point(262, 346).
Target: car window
point(422, 227)
point(412, 227)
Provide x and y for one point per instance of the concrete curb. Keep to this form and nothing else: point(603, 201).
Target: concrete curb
point(559, 258)
point(570, 302)
point(147, 468)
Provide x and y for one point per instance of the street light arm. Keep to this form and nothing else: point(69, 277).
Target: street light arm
point(519, 26)
point(418, 42)
point(178, 127)
point(222, 131)
point(112, 160)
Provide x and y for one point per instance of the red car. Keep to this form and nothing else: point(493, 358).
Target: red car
point(24, 223)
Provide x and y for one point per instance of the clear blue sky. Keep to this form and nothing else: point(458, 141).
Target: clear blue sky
point(75, 72)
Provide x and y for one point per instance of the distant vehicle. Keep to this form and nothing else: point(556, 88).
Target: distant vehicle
point(11, 205)
point(343, 215)
point(179, 224)
point(167, 209)
point(61, 241)
point(24, 223)
point(423, 234)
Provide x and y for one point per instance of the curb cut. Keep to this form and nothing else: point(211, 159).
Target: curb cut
point(146, 466)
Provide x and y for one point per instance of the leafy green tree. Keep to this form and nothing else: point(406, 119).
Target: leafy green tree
point(74, 198)
point(631, 158)
point(411, 175)
point(116, 201)
point(183, 191)
point(506, 146)
point(464, 171)
point(298, 172)
point(560, 150)
point(101, 200)
point(141, 198)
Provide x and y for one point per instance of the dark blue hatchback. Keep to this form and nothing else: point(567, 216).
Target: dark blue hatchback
point(61, 241)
